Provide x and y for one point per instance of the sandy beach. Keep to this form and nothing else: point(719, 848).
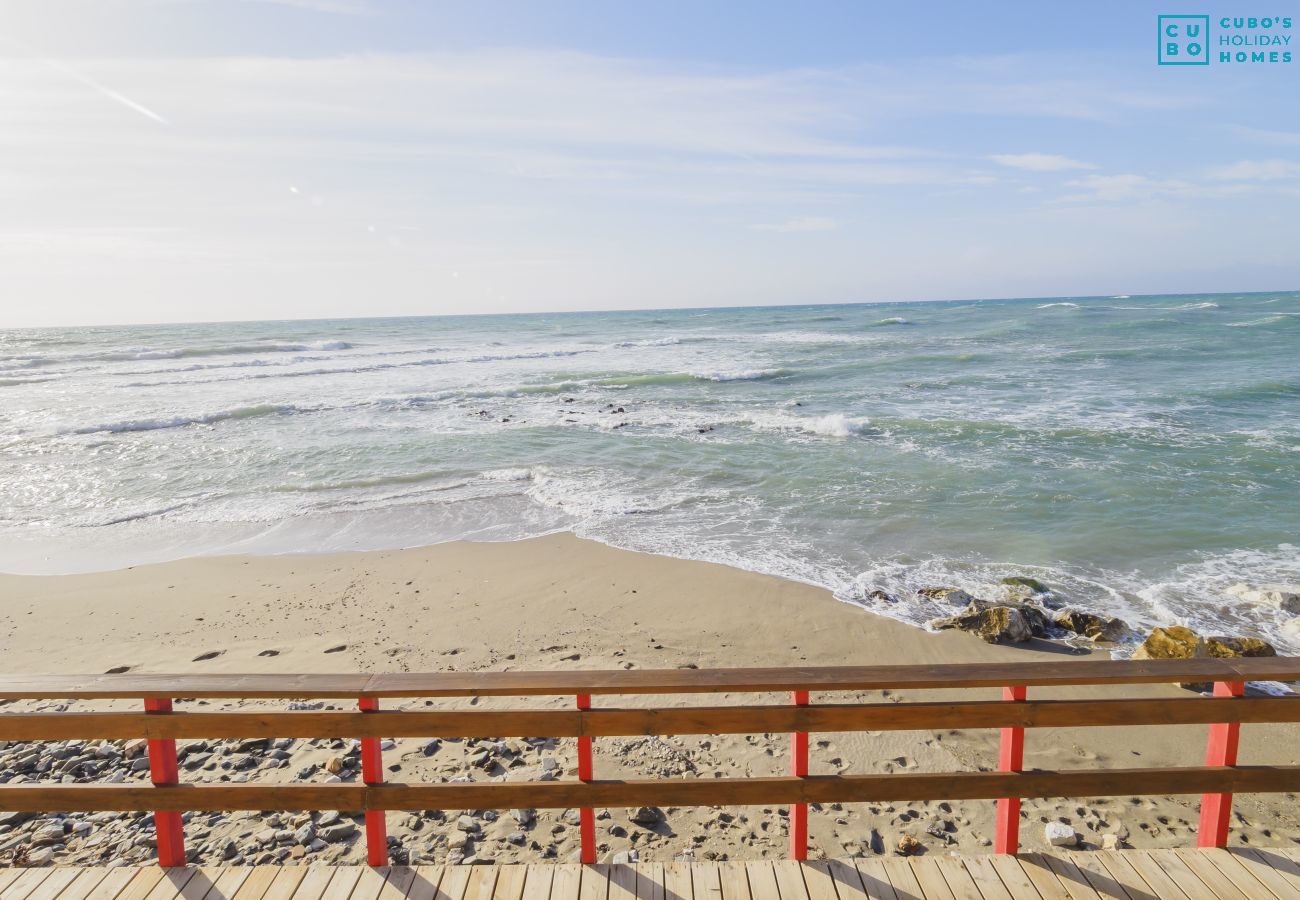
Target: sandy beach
point(559, 602)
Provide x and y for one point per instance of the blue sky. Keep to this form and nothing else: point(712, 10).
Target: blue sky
point(166, 160)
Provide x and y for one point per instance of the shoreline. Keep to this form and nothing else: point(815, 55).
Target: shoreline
point(563, 602)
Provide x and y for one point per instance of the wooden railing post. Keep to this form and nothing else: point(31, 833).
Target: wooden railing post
point(1216, 809)
point(372, 772)
point(586, 815)
point(163, 771)
point(799, 769)
point(1011, 758)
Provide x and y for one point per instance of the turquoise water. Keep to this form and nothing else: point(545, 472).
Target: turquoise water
point(1138, 453)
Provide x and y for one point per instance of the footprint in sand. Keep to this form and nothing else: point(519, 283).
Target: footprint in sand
point(211, 654)
point(118, 670)
point(339, 649)
point(269, 653)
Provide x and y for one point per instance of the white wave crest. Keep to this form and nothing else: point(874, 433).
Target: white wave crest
point(1062, 304)
point(242, 412)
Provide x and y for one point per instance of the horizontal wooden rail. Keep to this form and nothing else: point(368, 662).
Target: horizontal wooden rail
point(662, 792)
point(623, 722)
point(647, 681)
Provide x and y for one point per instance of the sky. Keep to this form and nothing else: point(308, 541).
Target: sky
point(203, 160)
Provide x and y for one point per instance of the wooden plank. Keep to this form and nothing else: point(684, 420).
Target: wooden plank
point(399, 882)
point(85, 882)
point(1100, 877)
point(735, 881)
point(286, 883)
point(566, 882)
point(172, 883)
point(762, 880)
point(678, 881)
point(482, 882)
point(1117, 864)
point(1035, 867)
point(25, 883)
point(789, 880)
point(960, 881)
point(425, 885)
point(846, 879)
point(139, 888)
point(1076, 884)
point(54, 884)
point(537, 883)
point(1254, 880)
point(257, 883)
point(875, 880)
point(370, 883)
point(341, 885)
point(116, 882)
point(650, 881)
point(510, 883)
point(902, 877)
point(595, 883)
point(227, 883)
point(198, 887)
point(1178, 873)
point(817, 879)
point(661, 792)
point(647, 681)
point(454, 881)
point(1153, 874)
point(7, 877)
point(930, 877)
point(314, 883)
point(708, 881)
point(987, 879)
point(1013, 877)
point(1205, 870)
point(1265, 860)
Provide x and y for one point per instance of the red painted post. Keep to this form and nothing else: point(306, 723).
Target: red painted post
point(1216, 809)
point(586, 815)
point(1011, 758)
point(799, 769)
point(164, 771)
point(372, 772)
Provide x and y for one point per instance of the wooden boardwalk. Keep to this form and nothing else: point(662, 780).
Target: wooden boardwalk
point(1239, 874)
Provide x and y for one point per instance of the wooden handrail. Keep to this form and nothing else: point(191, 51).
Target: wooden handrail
point(647, 681)
point(162, 727)
point(43, 726)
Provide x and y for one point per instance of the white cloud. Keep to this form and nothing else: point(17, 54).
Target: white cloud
point(1258, 170)
point(800, 223)
point(1039, 162)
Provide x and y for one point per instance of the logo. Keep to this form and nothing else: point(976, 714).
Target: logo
point(1184, 40)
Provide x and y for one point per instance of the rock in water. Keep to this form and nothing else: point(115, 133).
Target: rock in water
point(1285, 597)
point(1090, 625)
point(1174, 642)
point(950, 595)
point(993, 625)
point(1032, 585)
point(1234, 647)
point(1058, 834)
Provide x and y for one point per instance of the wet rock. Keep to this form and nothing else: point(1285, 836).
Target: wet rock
point(950, 595)
point(1233, 647)
point(1026, 584)
point(1285, 597)
point(993, 624)
point(1174, 642)
point(1090, 625)
point(882, 597)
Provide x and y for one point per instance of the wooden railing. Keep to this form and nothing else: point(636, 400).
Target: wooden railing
point(1217, 781)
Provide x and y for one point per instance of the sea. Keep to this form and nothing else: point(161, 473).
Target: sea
point(1138, 454)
